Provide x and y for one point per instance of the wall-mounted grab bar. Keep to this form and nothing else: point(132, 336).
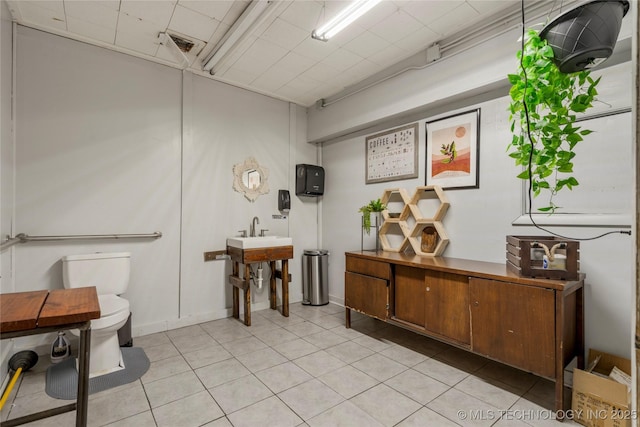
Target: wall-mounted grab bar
point(10, 242)
point(23, 238)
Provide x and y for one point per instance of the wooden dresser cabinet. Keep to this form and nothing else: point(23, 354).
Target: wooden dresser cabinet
point(532, 324)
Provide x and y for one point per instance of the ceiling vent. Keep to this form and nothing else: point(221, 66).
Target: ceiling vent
point(183, 44)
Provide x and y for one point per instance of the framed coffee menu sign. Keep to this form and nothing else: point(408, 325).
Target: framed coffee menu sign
point(392, 155)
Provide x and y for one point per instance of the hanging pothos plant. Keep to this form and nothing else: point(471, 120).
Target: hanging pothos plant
point(373, 206)
point(544, 134)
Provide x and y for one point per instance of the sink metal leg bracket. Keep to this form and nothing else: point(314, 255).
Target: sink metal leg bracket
point(244, 284)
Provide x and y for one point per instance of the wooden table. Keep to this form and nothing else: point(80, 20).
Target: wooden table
point(259, 255)
point(39, 312)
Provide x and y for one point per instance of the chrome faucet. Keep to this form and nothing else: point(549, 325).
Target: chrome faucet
point(254, 221)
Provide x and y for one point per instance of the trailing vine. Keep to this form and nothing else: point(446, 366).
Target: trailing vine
point(544, 134)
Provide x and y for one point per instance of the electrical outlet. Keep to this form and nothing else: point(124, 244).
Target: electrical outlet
point(214, 255)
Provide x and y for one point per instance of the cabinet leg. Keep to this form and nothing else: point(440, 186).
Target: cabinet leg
point(272, 286)
point(347, 318)
point(285, 288)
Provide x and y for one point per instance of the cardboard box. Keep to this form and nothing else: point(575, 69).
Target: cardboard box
point(599, 401)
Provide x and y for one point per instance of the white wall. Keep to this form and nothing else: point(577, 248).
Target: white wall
point(6, 166)
point(478, 219)
point(108, 143)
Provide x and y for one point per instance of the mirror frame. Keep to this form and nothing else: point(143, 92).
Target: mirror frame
point(238, 185)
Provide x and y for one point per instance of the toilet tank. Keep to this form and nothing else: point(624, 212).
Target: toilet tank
point(108, 272)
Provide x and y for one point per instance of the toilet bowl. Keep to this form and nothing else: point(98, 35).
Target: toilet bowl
point(109, 273)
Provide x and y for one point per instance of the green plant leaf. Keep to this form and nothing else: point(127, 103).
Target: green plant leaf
point(551, 100)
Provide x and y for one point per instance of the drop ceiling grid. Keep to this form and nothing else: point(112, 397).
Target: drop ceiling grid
point(280, 57)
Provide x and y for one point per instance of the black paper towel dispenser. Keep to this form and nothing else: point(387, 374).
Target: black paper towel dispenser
point(309, 180)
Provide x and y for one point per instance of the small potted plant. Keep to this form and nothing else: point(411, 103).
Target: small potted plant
point(373, 206)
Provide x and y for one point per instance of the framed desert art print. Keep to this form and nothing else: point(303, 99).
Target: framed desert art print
point(453, 151)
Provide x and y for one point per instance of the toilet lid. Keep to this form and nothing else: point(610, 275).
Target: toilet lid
point(111, 304)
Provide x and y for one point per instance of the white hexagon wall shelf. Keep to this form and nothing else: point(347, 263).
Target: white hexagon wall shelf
point(393, 236)
point(429, 202)
point(396, 200)
point(414, 222)
point(428, 229)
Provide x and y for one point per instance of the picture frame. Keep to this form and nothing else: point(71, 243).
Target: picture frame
point(392, 155)
point(453, 151)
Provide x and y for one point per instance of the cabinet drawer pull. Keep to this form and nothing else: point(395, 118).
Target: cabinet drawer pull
point(428, 288)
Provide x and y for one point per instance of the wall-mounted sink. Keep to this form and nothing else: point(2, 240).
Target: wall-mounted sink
point(258, 242)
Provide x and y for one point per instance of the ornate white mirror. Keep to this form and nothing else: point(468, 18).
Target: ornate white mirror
point(250, 179)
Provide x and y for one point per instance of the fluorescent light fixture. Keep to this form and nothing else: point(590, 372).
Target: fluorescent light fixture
point(238, 32)
point(354, 11)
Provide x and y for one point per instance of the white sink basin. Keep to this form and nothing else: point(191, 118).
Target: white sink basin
point(258, 242)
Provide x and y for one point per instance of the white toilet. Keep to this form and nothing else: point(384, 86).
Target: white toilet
point(109, 273)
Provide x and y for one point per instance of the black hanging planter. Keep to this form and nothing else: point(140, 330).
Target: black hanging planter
point(584, 36)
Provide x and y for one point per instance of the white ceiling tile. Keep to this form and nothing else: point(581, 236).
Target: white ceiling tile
point(366, 44)
point(156, 11)
point(379, 13)
point(138, 42)
point(431, 11)
point(191, 23)
point(213, 9)
point(296, 63)
point(303, 14)
point(134, 26)
point(52, 17)
point(56, 6)
point(92, 31)
point(363, 69)
point(284, 34)
point(389, 55)
point(260, 56)
point(241, 76)
point(418, 40)
point(454, 20)
point(315, 49)
point(396, 27)
point(289, 92)
point(92, 13)
point(303, 84)
point(321, 72)
point(342, 59)
point(491, 6)
point(274, 78)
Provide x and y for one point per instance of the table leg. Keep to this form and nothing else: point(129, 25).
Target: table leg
point(285, 287)
point(347, 318)
point(247, 295)
point(83, 376)
point(272, 286)
point(235, 293)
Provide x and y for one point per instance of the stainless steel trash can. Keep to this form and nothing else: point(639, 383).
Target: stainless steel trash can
point(315, 277)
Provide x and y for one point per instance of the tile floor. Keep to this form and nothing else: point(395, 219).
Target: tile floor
point(307, 369)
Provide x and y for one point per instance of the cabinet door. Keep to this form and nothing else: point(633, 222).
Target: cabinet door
point(366, 294)
point(409, 295)
point(447, 305)
point(514, 324)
